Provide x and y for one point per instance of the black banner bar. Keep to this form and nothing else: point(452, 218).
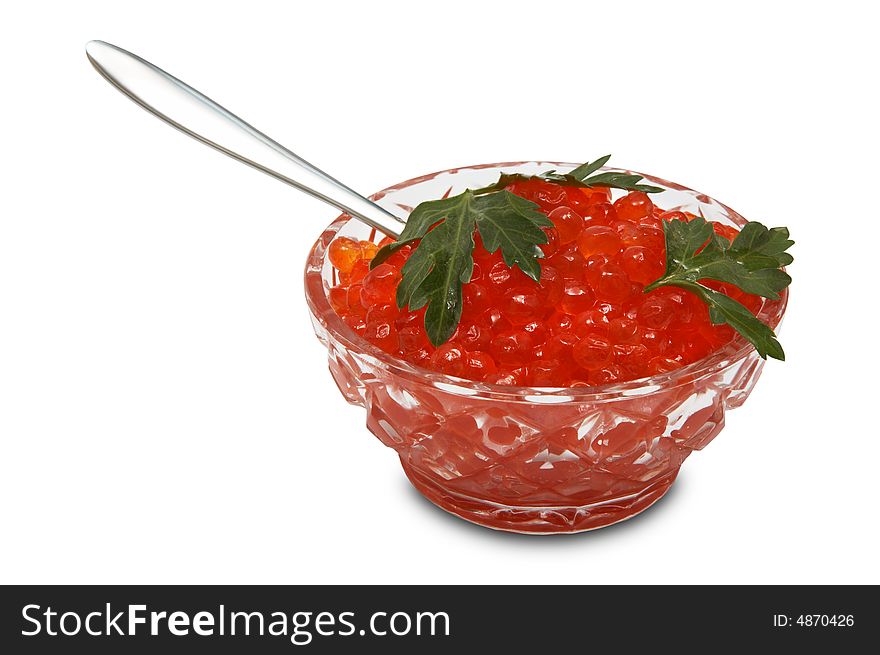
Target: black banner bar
point(338, 619)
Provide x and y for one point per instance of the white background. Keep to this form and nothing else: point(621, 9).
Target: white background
point(166, 414)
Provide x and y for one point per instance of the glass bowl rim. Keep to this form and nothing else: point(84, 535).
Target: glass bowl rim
point(319, 305)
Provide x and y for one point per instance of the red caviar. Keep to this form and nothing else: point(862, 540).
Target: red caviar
point(588, 322)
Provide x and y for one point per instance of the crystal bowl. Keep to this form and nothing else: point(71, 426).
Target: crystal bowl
point(529, 459)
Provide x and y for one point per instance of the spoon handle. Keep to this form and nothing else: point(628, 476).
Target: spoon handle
point(191, 112)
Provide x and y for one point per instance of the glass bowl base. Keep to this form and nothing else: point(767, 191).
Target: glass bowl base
point(541, 519)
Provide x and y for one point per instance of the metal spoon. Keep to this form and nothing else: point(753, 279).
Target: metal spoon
point(193, 113)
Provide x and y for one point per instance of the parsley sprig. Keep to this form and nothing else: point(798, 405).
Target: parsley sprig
point(752, 262)
point(582, 176)
point(443, 260)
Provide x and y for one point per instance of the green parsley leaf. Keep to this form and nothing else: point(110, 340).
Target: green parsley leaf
point(443, 260)
point(513, 224)
point(585, 170)
point(751, 262)
point(434, 274)
point(579, 177)
point(626, 181)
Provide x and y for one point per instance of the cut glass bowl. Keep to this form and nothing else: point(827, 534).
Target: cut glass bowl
point(528, 459)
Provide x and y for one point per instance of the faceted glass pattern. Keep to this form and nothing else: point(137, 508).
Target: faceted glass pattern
point(523, 459)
